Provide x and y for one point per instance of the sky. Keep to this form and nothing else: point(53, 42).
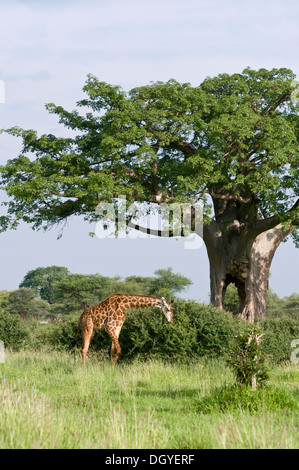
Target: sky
point(46, 51)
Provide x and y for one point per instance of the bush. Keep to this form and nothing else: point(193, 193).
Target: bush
point(279, 333)
point(58, 334)
point(198, 330)
point(232, 398)
point(13, 331)
point(247, 358)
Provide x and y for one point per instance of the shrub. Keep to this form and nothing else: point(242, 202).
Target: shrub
point(59, 334)
point(279, 333)
point(13, 331)
point(146, 332)
point(197, 330)
point(231, 398)
point(247, 358)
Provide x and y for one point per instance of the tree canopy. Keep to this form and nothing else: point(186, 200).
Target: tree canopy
point(234, 136)
point(42, 280)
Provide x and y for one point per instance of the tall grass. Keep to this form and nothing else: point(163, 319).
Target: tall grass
point(49, 400)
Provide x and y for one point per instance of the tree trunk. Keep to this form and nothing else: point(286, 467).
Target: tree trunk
point(256, 285)
point(237, 257)
point(240, 248)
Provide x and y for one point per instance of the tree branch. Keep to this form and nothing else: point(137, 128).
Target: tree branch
point(185, 147)
point(265, 224)
point(227, 196)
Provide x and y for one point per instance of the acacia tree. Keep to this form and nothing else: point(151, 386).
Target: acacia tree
point(231, 143)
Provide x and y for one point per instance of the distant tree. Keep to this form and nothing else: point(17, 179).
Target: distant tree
point(276, 307)
point(292, 305)
point(79, 291)
point(168, 284)
point(139, 284)
point(42, 280)
point(23, 302)
point(232, 299)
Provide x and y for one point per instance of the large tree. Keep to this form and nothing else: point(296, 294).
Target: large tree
point(231, 143)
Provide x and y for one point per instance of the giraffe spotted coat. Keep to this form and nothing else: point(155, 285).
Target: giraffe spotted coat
point(109, 315)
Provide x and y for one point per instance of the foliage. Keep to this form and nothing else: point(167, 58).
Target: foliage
point(69, 293)
point(231, 299)
point(276, 307)
point(42, 279)
point(23, 302)
point(292, 306)
point(227, 399)
point(247, 358)
point(167, 284)
point(76, 292)
point(233, 135)
point(279, 333)
point(13, 331)
point(4, 294)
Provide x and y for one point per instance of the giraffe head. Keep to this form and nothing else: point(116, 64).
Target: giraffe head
point(167, 309)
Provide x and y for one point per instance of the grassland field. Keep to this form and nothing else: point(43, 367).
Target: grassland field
point(50, 401)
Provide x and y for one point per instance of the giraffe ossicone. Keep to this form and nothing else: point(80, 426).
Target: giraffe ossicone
point(109, 315)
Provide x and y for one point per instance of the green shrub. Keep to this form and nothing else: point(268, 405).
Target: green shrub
point(146, 332)
point(197, 330)
point(231, 398)
point(59, 334)
point(279, 333)
point(247, 358)
point(13, 331)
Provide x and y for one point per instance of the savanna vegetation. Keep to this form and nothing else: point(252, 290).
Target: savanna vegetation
point(44, 312)
point(175, 386)
point(52, 401)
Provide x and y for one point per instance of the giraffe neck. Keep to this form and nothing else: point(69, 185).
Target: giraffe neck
point(141, 301)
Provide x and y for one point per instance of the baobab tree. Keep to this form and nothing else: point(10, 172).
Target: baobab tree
point(231, 143)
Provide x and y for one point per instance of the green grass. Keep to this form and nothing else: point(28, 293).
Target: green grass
point(49, 400)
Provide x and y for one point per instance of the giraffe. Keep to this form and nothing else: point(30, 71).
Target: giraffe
point(109, 315)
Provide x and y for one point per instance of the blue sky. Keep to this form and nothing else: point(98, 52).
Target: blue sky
point(48, 48)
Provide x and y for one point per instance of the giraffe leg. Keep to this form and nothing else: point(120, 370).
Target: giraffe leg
point(87, 334)
point(115, 348)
